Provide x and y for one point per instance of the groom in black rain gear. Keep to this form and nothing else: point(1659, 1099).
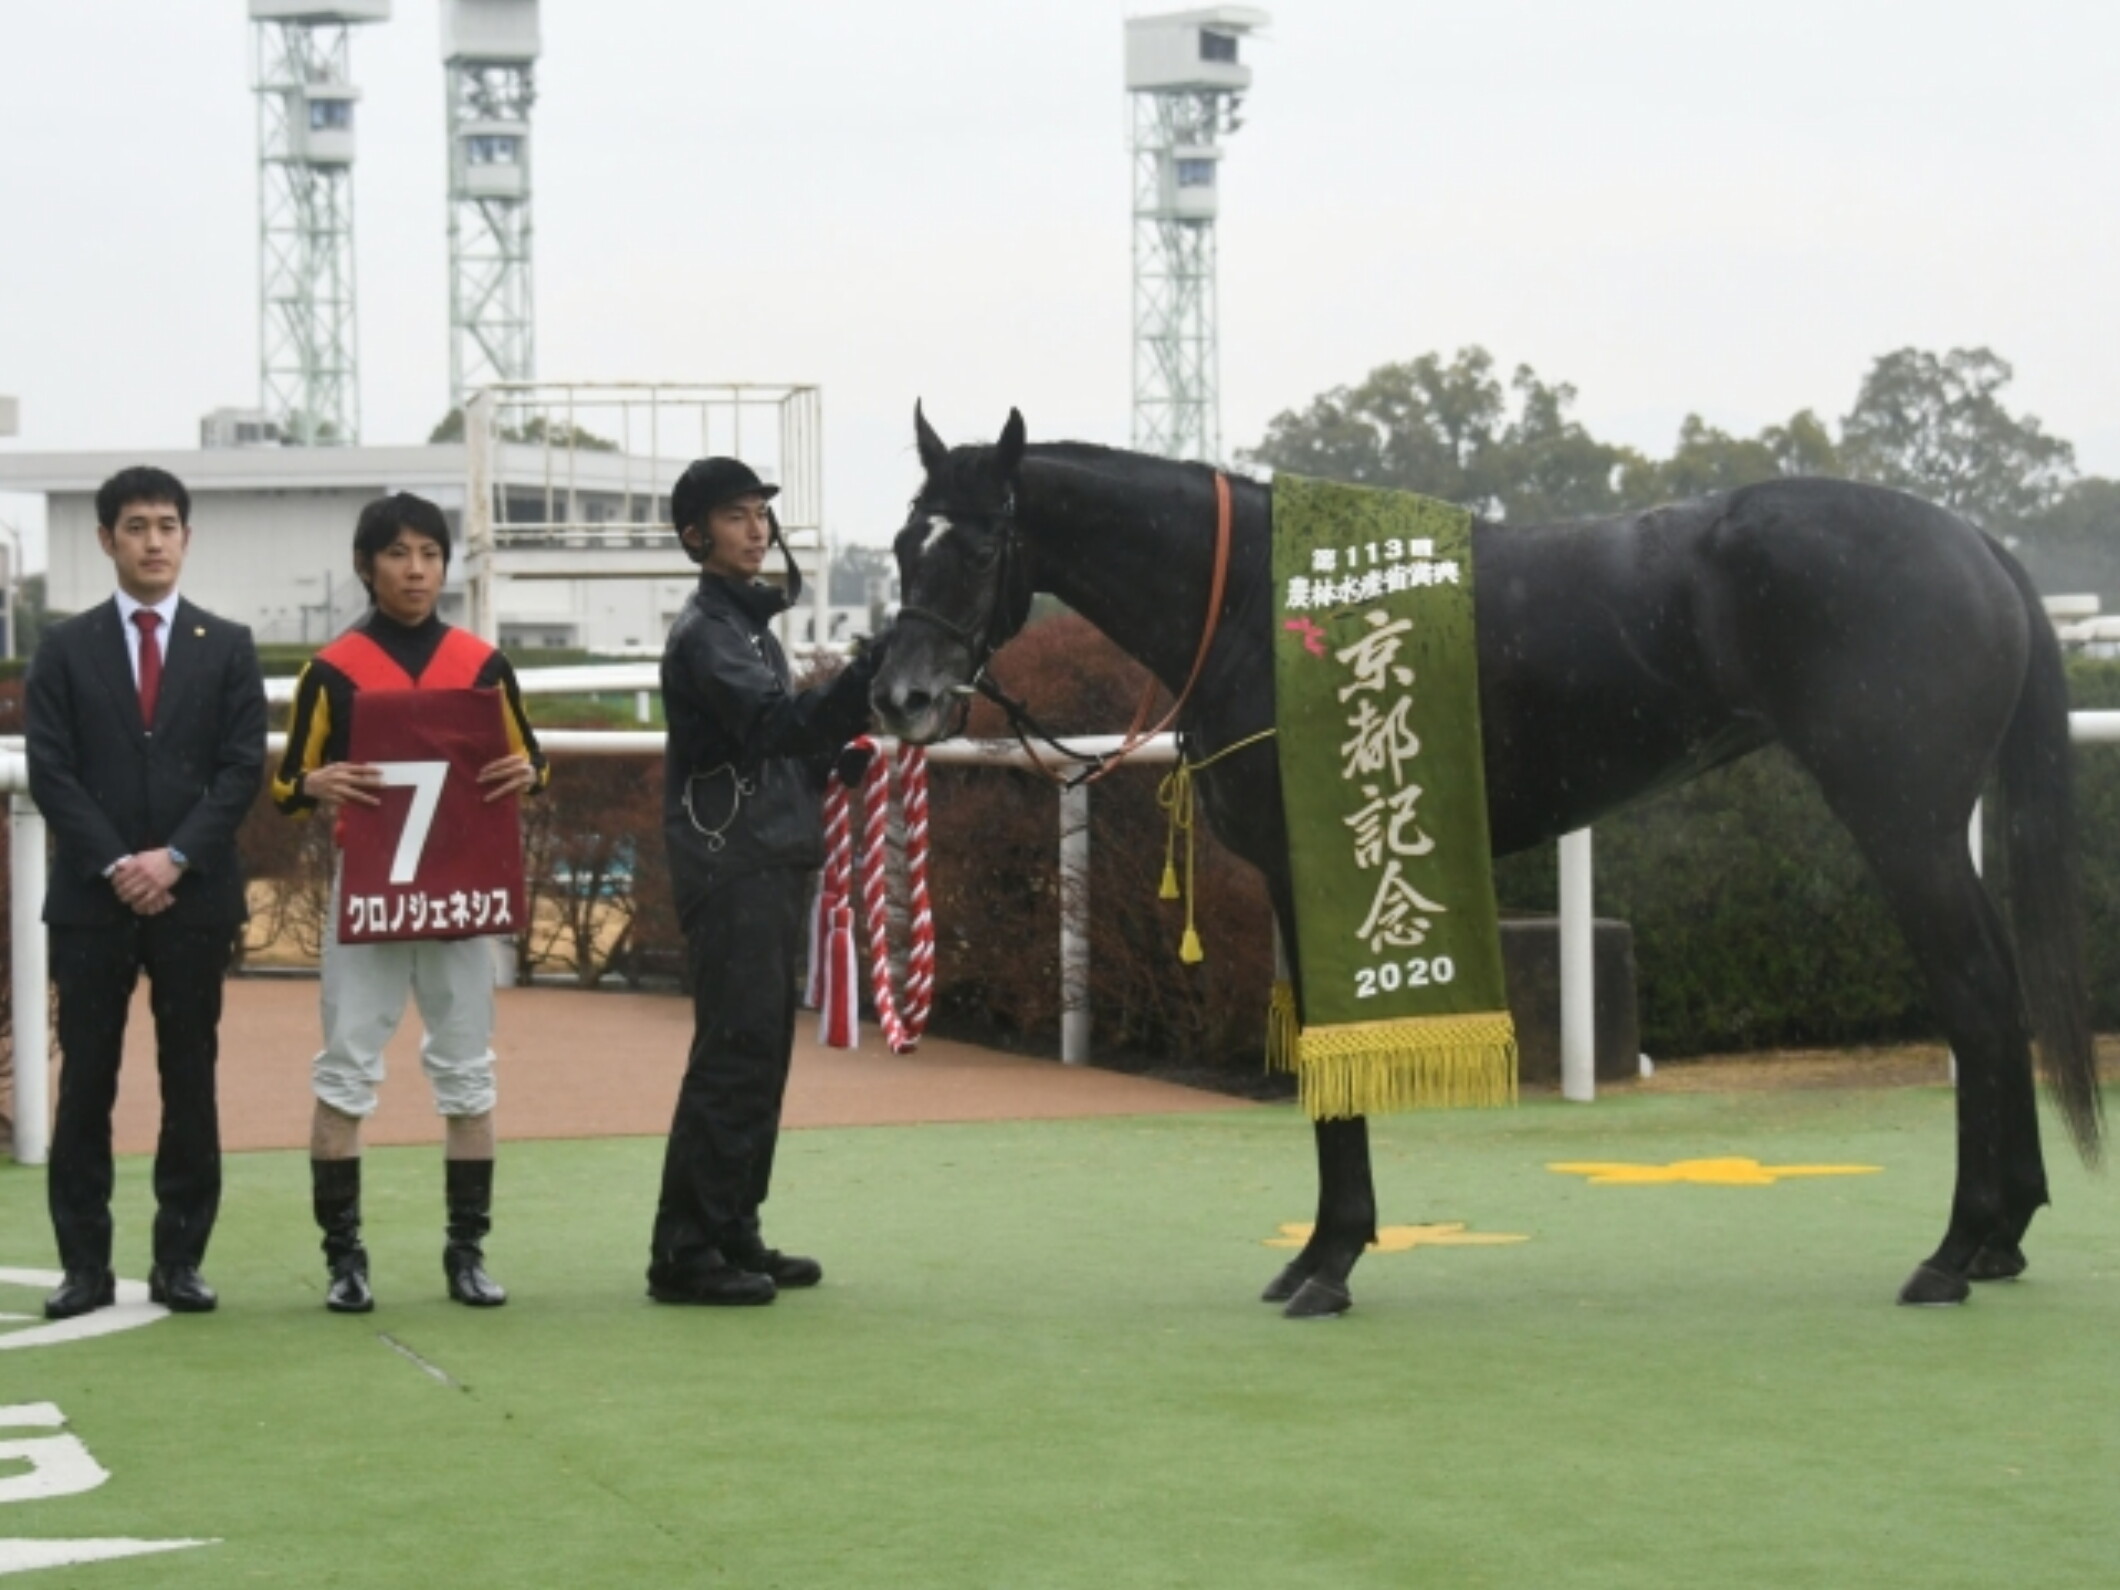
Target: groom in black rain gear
point(743, 823)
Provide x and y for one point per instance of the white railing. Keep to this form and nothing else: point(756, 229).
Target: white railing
point(1578, 985)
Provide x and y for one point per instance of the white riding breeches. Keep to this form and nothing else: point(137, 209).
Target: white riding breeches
point(365, 987)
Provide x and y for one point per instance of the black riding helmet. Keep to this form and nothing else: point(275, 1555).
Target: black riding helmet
point(705, 485)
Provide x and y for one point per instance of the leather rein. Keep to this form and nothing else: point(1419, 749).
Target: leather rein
point(981, 647)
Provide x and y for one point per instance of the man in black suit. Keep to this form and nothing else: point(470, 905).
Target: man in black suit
point(146, 744)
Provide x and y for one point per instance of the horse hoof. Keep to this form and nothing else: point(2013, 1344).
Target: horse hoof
point(1287, 1284)
point(1316, 1299)
point(1929, 1287)
point(1996, 1261)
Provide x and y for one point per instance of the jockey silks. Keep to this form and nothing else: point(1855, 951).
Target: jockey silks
point(443, 705)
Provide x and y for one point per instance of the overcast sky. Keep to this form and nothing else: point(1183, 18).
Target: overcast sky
point(1712, 205)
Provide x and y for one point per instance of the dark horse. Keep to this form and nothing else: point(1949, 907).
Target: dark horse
point(1895, 650)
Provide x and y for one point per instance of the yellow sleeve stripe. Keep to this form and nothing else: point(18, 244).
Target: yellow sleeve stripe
point(520, 741)
point(305, 741)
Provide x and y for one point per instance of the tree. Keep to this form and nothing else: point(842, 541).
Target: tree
point(1705, 460)
point(31, 619)
point(2073, 544)
point(1419, 426)
point(1935, 426)
point(1710, 460)
point(1804, 446)
point(1926, 423)
point(1550, 466)
point(536, 429)
point(1452, 431)
point(863, 577)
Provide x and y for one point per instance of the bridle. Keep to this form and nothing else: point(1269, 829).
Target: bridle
point(1006, 614)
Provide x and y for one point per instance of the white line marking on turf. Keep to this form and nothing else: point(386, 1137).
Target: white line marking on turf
point(26, 1556)
point(58, 1465)
point(131, 1310)
point(426, 1365)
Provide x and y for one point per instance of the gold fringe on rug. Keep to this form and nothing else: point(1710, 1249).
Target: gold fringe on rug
point(1381, 1067)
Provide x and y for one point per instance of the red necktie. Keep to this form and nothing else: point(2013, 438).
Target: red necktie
point(150, 663)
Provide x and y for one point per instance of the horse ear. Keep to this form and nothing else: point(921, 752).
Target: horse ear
point(934, 457)
point(1009, 454)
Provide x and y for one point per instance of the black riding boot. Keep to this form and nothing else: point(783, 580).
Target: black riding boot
point(470, 1218)
point(335, 1194)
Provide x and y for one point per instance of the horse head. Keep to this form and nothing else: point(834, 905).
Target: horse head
point(964, 582)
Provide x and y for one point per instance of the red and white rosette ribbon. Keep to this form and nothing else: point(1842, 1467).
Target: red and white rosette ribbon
point(833, 963)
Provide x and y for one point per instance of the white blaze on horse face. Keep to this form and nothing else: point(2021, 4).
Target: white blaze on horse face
point(938, 527)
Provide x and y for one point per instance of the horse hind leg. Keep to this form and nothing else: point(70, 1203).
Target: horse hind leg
point(1957, 940)
point(2009, 1100)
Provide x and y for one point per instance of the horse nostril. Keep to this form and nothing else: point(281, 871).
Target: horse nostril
point(913, 703)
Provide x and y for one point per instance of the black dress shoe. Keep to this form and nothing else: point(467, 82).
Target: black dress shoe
point(181, 1289)
point(82, 1292)
point(786, 1269)
point(716, 1286)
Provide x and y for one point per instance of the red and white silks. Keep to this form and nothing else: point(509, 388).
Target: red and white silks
point(834, 978)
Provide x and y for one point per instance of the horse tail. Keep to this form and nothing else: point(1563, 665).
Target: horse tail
point(2041, 812)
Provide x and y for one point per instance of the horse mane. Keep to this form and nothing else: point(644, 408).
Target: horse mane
point(1110, 460)
point(1094, 456)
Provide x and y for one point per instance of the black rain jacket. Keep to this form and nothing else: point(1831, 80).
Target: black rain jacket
point(744, 773)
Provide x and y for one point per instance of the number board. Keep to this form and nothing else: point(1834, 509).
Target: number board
point(435, 859)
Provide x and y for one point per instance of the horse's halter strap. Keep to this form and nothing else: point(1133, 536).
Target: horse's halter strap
point(1097, 764)
point(1001, 623)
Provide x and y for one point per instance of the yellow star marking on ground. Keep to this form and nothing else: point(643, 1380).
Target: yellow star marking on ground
point(1397, 1239)
point(1703, 1172)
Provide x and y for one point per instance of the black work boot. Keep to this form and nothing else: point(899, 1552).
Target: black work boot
point(470, 1218)
point(335, 1194)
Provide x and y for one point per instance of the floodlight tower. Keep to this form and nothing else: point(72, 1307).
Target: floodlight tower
point(1187, 87)
point(308, 378)
point(489, 49)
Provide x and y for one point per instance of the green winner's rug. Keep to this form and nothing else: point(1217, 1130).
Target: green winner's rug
point(1376, 703)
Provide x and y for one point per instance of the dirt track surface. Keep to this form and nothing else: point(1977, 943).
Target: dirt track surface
point(579, 1064)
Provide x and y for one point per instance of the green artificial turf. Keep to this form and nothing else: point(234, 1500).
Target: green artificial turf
point(1037, 1361)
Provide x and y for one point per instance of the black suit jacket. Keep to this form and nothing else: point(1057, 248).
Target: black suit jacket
point(108, 788)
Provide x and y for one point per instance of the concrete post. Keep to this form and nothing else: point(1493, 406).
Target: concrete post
point(1074, 925)
point(1578, 971)
point(481, 614)
point(32, 1039)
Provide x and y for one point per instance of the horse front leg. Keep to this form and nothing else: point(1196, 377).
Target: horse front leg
point(1313, 1285)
